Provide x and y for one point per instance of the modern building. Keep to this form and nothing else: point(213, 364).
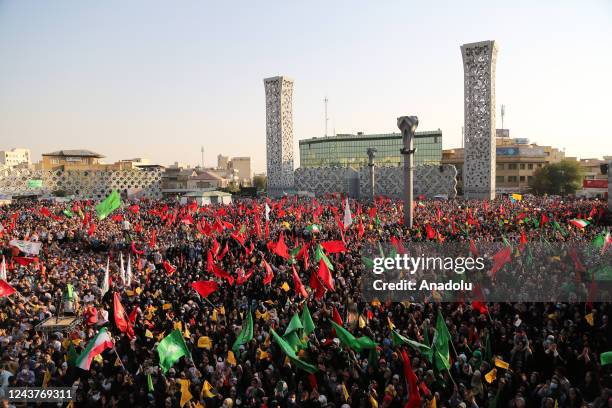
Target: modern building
point(207, 198)
point(479, 62)
point(243, 166)
point(15, 157)
point(222, 161)
point(516, 162)
point(279, 134)
point(350, 150)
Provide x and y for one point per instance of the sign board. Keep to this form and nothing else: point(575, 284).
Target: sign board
point(599, 183)
point(507, 151)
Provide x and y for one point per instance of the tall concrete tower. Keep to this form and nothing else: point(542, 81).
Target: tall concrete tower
point(279, 134)
point(479, 61)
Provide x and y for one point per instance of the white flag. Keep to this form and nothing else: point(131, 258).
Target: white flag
point(348, 218)
point(122, 270)
point(28, 247)
point(129, 271)
point(3, 269)
point(267, 212)
point(104, 287)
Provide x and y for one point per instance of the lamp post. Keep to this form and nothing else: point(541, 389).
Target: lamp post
point(408, 125)
point(371, 154)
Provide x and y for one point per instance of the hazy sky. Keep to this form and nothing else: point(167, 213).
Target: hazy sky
point(159, 79)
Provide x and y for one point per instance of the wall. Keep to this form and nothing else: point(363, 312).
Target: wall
point(92, 184)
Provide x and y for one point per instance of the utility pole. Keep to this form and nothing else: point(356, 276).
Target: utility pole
point(326, 118)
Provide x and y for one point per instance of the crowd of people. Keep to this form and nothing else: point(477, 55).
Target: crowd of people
point(502, 354)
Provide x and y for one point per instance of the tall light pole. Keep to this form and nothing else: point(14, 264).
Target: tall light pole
point(371, 154)
point(408, 125)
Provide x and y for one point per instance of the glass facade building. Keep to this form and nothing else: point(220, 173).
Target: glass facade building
point(347, 150)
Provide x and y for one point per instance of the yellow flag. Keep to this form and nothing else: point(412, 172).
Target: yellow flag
point(148, 334)
point(178, 326)
point(231, 359)
point(491, 375)
point(186, 333)
point(138, 291)
point(345, 392)
point(129, 292)
point(70, 404)
point(362, 322)
point(589, 319)
point(432, 403)
point(76, 342)
point(391, 325)
point(285, 287)
point(501, 364)
point(166, 306)
point(214, 315)
point(66, 343)
point(222, 310)
point(265, 315)
point(206, 390)
point(373, 402)
point(185, 393)
point(556, 404)
point(117, 362)
point(99, 358)
point(263, 354)
point(46, 378)
point(205, 342)
point(376, 303)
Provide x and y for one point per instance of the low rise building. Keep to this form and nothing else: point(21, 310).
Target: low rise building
point(15, 157)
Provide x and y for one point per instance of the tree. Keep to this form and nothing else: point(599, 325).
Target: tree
point(564, 177)
point(260, 181)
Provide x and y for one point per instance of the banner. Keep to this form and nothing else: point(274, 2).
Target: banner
point(27, 247)
point(35, 183)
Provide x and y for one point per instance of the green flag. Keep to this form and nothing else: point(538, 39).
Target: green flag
point(72, 354)
point(440, 344)
point(108, 205)
point(357, 344)
point(294, 325)
point(290, 352)
point(294, 340)
point(69, 293)
point(293, 253)
point(307, 322)
point(319, 254)
point(367, 262)
point(428, 354)
point(314, 228)
point(150, 383)
point(245, 335)
point(68, 213)
point(606, 358)
point(35, 183)
point(170, 349)
point(398, 339)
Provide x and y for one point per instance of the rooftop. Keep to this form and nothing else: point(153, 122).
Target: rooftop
point(78, 152)
point(360, 135)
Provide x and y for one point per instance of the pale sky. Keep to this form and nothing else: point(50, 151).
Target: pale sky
point(159, 79)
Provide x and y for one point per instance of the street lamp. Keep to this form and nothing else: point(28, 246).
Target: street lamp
point(371, 154)
point(408, 125)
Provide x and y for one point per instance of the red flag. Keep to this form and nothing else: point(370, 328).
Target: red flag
point(205, 288)
point(215, 270)
point(280, 248)
point(316, 286)
point(336, 316)
point(325, 275)
point(360, 229)
point(133, 315)
point(414, 400)
point(45, 211)
point(222, 254)
point(543, 220)
point(473, 249)
point(6, 289)
point(523, 241)
point(332, 247)
point(269, 274)
point(92, 229)
point(431, 233)
point(136, 251)
point(169, 268)
point(578, 266)
point(242, 277)
point(479, 301)
point(134, 208)
point(215, 247)
point(117, 217)
point(121, 322)
point(153, 239)
point(23, 261)
point(500, 259)
point(267, 230)
point(297, 284)
point(372, 212)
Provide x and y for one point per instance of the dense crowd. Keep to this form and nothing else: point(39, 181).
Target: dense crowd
point(552, 350)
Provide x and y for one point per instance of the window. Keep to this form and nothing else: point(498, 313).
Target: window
point(500, 166)
point(522, 166)
point(522, 178)
point(512, 166)
point(511, 179)
point(530, 166)
point(499, 179)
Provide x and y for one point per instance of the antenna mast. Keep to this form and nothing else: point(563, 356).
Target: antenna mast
point(503, 113)
point(326, 118)
point(202, 150)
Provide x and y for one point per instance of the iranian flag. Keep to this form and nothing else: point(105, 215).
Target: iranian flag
point(96, 346)
point(579, 223)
